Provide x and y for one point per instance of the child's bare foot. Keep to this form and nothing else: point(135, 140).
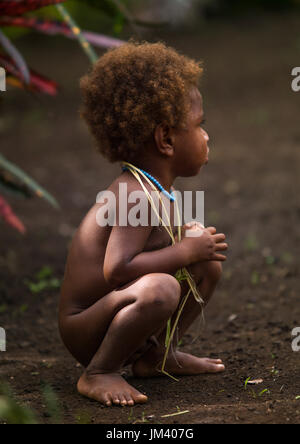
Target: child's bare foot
point(109, 388)
point(180, 364)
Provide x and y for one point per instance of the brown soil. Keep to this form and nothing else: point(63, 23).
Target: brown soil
point(252, 194)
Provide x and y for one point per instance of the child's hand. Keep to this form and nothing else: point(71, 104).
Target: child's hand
point(189, 229)
point(189, 226)
point(203, 244)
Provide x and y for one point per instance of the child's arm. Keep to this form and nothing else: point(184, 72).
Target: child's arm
point(124, 263)
point(125, 259)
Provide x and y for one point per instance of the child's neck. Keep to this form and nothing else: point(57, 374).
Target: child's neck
point(160, 169)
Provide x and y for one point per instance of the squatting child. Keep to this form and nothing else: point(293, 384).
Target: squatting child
point(142, 104)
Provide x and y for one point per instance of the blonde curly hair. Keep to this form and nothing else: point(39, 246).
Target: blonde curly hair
point(132, 89)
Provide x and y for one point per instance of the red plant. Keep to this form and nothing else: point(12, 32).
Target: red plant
point(19, 7)
point(10, 217)
point(20, 75)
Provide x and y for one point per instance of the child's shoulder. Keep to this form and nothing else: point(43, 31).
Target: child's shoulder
point(121, 193)
point(126, 183)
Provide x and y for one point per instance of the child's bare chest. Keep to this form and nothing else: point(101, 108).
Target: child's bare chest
point(159, 238)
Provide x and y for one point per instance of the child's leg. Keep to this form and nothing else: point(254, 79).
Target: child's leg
point(121, 322)
point(206, 276)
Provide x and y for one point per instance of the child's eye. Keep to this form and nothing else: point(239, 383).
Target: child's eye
point(203, 122)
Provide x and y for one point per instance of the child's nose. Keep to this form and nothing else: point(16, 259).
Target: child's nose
point(206, 136)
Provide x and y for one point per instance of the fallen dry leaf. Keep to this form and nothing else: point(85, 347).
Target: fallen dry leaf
point(255, 381)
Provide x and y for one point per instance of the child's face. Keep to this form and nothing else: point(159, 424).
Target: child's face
point(191, 151)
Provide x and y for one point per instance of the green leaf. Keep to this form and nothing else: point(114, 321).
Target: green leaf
point(77, 32)
point(36, 287)
point(246, 382)
point(270, 260)
point(23, 308)
point(52, 404)
point(44, 282)
point(13, 189)
point(119, 24)
point(11, 412)
point(255, 278)
point(45, 272)
point(54, 283)
point(181, 275)
point(263, 392)
point(27, 180)
point(251, 243)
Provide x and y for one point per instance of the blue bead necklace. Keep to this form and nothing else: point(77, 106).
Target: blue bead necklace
point(155, 181)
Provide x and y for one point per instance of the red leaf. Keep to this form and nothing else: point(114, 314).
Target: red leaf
point(10, 217)
point(42, 25)
point(19, 7)
point(38, 82)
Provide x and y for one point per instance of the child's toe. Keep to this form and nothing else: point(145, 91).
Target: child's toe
point(116, 400)
point(215, 361)
point(141, 398)
point(108, 399)
point(129, 399)
point(123, 400)
point(219, 367)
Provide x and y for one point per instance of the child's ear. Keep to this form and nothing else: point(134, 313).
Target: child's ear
point(164, 139)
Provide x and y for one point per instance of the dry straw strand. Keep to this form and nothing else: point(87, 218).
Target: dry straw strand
point(182, 274)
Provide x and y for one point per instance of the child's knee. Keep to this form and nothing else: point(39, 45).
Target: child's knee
point(214, 271)
point(209, 270)
point(161, 292)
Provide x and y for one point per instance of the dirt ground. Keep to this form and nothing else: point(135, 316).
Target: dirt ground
point(251, 193)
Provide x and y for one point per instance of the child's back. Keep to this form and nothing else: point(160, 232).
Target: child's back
point(84, 282)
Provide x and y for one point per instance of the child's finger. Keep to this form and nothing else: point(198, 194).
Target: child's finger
point(212, 230)
point(220, 237)
point(221, 247)
point(219, 257)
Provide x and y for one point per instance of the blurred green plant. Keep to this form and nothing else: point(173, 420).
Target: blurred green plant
point(44, 280)
point(11, 412)
point(251, 242)
point(255, 278)
point(19, 310)
point(53, 407)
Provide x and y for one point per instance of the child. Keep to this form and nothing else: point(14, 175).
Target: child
point(142, 104)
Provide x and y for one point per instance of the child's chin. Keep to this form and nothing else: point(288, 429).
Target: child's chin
point(193, 171)
point(197, 171)
point(202, 165)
